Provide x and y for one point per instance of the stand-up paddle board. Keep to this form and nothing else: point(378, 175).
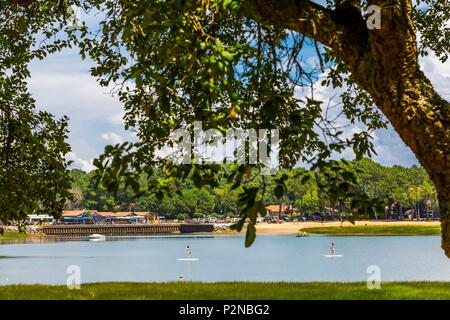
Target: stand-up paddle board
point(333, 255)
point(187, 259)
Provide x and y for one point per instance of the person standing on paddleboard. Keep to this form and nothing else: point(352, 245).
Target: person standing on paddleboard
point(333, 249)
point(188, 252)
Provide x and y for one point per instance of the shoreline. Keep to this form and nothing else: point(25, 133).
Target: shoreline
point(285, 228)
point(292, 228)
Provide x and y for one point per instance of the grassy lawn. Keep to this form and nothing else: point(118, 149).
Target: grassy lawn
point(393, 230)
point(14, 235)
point(231, 290)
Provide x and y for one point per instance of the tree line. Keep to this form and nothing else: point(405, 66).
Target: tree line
point(408, 187)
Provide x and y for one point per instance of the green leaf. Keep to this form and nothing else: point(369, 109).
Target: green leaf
point(262, 209)
point(238, 225)
point(250, 235)
point(227, 55)
point(279, 191)
point(305, 179)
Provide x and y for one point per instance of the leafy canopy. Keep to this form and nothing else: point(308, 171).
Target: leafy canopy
point(33, 170)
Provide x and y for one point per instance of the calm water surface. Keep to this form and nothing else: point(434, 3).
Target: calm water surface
point(224, 258)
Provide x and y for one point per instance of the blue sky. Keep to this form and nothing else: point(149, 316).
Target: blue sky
point(62, 85)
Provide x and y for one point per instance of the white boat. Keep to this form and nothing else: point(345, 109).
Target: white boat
point(97, 237)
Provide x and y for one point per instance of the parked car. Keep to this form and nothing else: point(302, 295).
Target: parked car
point(212, 219)
point(270, 220)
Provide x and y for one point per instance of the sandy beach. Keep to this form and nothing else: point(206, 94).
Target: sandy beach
point(292, 228)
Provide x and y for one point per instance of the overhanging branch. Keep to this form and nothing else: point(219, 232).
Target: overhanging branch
point(343, 30)
point(22, 3)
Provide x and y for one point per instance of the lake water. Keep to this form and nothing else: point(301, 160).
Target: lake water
point(224, 258)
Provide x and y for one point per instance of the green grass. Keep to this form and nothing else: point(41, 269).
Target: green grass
point(14, 235)
point(422, 230)
point(231, 290)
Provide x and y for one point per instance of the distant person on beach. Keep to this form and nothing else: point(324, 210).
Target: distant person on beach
point(333, 248)
point(188, 252)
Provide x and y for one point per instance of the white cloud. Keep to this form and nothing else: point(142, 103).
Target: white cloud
point(438, 73)
point(83, 164)
point(76, 95)
point(62, 85)
point(117, 118)
point(112, 137)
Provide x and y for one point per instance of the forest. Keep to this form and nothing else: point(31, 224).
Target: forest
point(396, 187)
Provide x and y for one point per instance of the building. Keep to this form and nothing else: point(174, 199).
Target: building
point(147, 217)
point(39, 219)
point(275, 210)
point(98, 217)
point(122, 217)
point(77, 217)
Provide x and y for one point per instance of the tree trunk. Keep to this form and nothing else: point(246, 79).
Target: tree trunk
point(422, 119)
point(444, 208)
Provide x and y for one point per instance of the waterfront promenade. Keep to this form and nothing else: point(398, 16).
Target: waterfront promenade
point(78, 230)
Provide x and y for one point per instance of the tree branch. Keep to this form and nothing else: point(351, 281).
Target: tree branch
point(302, 16)
point(344, 30)
point(22, 3)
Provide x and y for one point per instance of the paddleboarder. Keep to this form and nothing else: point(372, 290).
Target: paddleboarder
point(188, 252)
point(333, 248)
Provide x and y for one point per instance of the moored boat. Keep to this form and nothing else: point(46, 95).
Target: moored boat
point(97, 237)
